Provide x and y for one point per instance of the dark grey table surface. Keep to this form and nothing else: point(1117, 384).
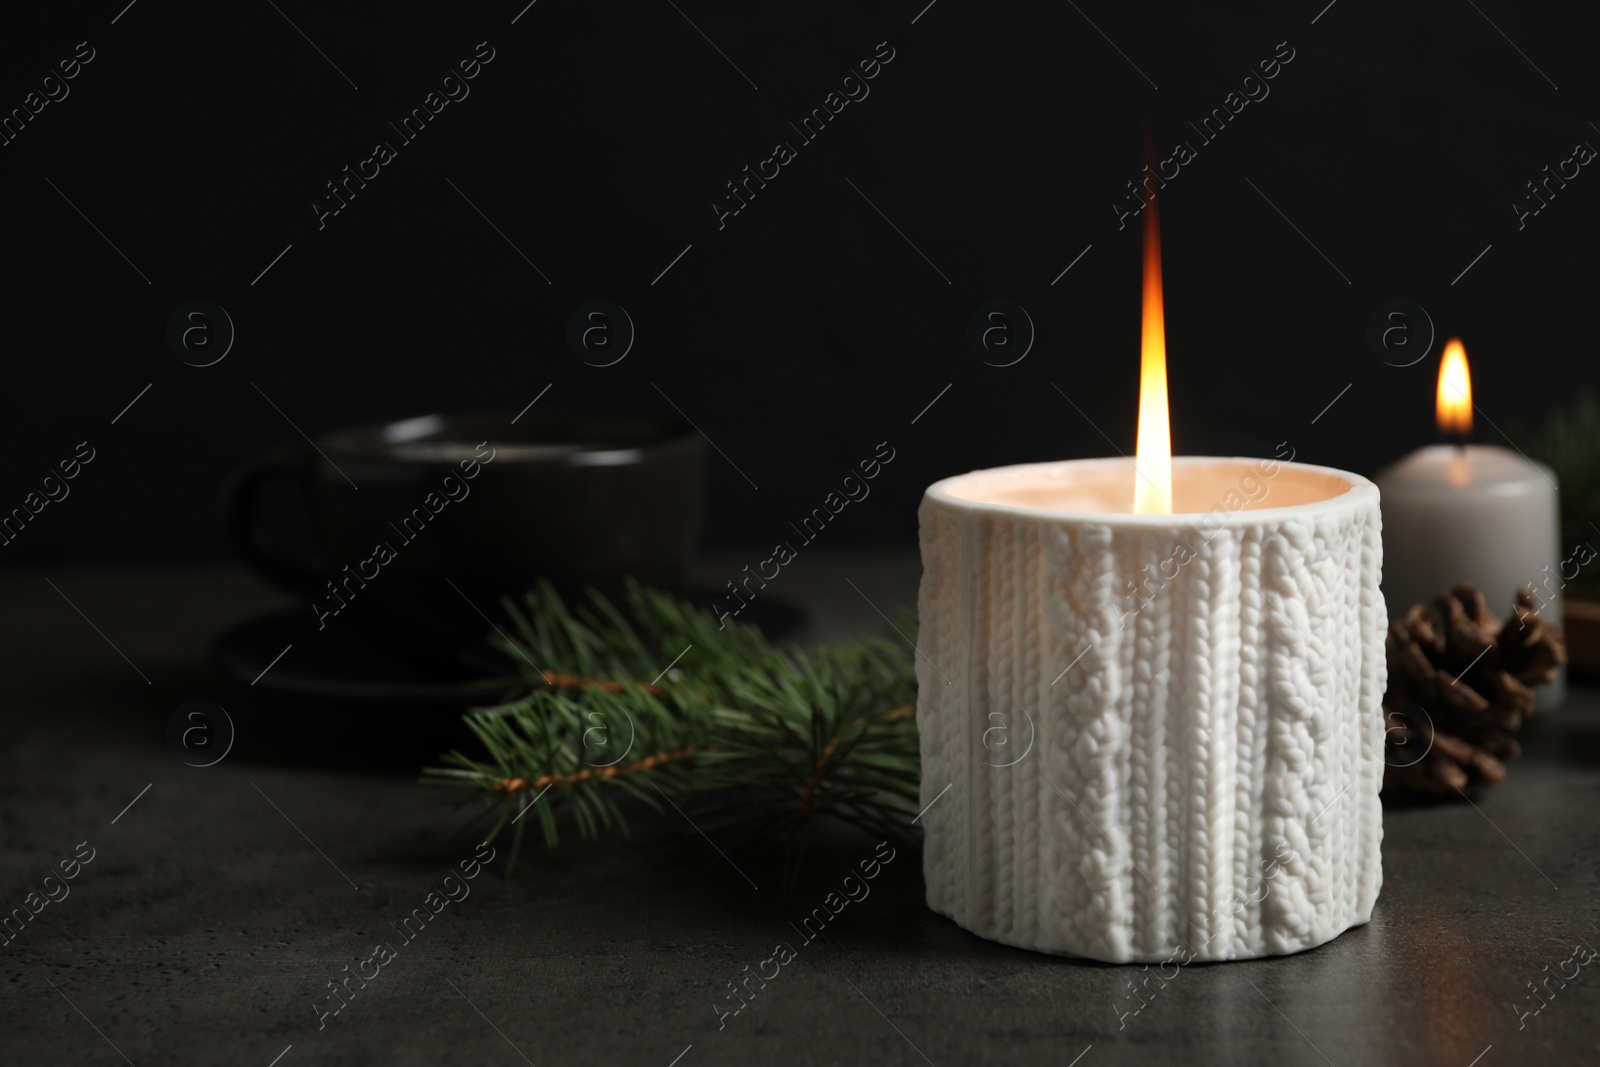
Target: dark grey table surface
point(220, 904)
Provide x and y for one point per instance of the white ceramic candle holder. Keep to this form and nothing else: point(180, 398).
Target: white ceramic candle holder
point(1152, 737)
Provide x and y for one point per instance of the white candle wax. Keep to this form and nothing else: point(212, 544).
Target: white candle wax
point(1478, 514)
point(1146, 737)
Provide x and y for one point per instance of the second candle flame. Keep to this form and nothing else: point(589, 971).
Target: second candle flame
point(1152, 487)
point(1453, 400)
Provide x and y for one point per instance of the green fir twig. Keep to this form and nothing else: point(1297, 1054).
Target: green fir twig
point(755, 742)
point(1568, 441)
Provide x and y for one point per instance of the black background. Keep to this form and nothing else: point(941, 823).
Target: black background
point(808, 330)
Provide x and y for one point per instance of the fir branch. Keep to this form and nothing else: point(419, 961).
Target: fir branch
point(757, 741)
point(1568, 440)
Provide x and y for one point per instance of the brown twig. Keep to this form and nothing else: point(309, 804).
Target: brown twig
point(521, 785)
point(572, 681)
point(904, 711)
point(816, 776)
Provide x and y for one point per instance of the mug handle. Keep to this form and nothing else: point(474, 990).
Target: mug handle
point(239, 498)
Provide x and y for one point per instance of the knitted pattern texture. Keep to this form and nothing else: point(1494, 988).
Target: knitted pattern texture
point(1198, 775)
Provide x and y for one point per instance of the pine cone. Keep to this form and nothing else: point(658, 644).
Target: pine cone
point(1460, 684)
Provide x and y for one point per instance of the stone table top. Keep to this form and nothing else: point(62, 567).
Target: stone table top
point(220, 902)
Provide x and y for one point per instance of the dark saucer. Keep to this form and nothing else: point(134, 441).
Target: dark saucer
point(348, 663)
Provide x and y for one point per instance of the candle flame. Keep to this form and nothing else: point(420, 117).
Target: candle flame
point(1454, 400)
point(1152, 486)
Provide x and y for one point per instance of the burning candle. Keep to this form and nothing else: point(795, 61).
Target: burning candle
point(1149, 697)
point(1460, 512)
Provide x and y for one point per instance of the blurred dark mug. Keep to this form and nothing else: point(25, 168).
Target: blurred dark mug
point(419, 527)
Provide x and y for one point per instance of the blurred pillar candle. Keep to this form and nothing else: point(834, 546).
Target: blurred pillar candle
point(1149, 697)
point(1470, 513)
